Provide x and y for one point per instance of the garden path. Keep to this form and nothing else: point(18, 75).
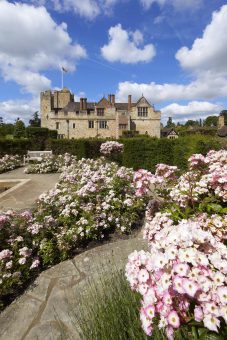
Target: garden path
point(25, 195)
point(47, 309)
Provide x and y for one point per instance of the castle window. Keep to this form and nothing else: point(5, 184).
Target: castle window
point(74, 125)
point(57, 125)
point(103, 124)
point(123, 126)
point(91, 124)
point(100, 112)
point(142, 111)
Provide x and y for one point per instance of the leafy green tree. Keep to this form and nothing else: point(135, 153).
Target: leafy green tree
point(191, 122)
point(35, 121)
point(170, 123)
point(19, 129)
point(211, 121)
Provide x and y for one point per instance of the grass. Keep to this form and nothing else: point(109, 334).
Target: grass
point(110, 311)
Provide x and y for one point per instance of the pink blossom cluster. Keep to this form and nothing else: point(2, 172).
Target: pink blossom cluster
point(9, 162)
point(51, 163)
point(185, 267)
point(110, 147)
point(145, 181)
point(208, 176)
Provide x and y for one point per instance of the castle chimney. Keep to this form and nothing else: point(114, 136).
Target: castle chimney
point(85, 104)
point(81, 104)
point(129, 102)
point(113, 99)
point(221, 121)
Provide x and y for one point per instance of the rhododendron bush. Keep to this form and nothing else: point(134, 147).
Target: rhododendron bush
point(92, 199)
point(111, 147)
point(9, 162)
point(182, 278)
point(50, 164)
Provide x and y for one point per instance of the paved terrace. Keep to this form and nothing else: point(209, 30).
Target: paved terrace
point(49, 309)
point(26, 194)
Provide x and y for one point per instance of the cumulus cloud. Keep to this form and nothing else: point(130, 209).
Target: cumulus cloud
point(193, 110)
point(203, 88)
point(30, 43)
point(89, 9)
point(12, 109)
point(124, 47)
point(208, 54)
point(176, 4)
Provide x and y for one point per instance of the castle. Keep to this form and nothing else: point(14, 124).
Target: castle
point(106, 118)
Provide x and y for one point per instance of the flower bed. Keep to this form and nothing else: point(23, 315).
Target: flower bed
point(9, 162)
point(50, 164)
point(182, 279)
point(91, 200)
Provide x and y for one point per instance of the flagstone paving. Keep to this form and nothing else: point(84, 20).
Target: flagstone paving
point(47, 310)
point(25, 196)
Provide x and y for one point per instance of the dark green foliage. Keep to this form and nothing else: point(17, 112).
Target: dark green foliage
point(211, 121)
point(14, 146)
point(35, 121)
point(6, 129)
point(130, 134)
point(39, 136)
point(19, 129)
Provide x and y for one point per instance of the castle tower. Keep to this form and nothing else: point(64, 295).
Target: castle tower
point(45, 107)
point(221, 121)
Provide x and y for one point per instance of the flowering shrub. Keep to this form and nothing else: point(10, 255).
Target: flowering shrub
point(92, 199)
point(183, 276)
point(51, 163)
point(111, 147)
point(9, 162)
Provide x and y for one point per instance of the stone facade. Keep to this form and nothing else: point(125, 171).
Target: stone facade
point(106, 118)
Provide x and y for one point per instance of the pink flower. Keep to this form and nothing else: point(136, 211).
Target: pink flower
point(169, 333)
point(22, 260)
point(143, 275)
point(167, 299)
point(35, 263)
point(150, 312)
point(5, 254)
point(198, 313)
point(222, 294)
point(211, 322)
point(173, 319)
point(190, 287)
point(177, 285)
point(182, 269)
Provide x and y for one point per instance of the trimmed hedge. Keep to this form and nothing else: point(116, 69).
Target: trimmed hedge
point(39, 136)
point(139, 152)
point(14, 146)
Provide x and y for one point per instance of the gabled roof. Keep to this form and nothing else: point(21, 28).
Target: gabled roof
point(75, 106)
point(144, 100)
point(166, 131)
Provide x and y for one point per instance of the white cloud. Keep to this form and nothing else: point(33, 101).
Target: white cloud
point(89, 9)
point(177, 4)
point(12, 109)
point(208, 54)
point(30, 43)
point(193, 110)
point(203, 88)
point(123, 47)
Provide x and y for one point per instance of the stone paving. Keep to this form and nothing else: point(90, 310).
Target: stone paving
point(25, 195)
point(48, 309)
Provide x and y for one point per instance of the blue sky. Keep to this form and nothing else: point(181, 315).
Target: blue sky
point(172, 51)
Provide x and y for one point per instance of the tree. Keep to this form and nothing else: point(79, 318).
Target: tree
point(35, 121)
point(191, 122)
point(170, 123)
point(19, 129)
point(211, 121)
point(1, 120)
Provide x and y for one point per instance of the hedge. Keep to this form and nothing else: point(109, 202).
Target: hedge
point(39, 136)
point(139, 152)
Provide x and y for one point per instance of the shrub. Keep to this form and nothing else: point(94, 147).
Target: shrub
point(39, 136)
point(14, 146)
point(182, 277)
point(9, 162)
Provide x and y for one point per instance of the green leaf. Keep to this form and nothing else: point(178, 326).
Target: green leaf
point(214, 207)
